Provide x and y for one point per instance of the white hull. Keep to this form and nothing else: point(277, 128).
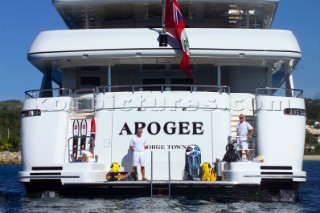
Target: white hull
point(171, 124)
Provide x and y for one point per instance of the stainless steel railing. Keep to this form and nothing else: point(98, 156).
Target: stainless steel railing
point(163, 88)
point(169, 175)
point(83, 100)
point(282, 92)
point(80, 140)
point(56, 92)
point(151, 178)
point(169, 172)
point(62, 92)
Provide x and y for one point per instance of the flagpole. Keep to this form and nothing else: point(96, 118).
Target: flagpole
point(163, 15)
point(163, 35)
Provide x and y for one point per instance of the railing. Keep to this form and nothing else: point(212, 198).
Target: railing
point(151, 178)
point(83, 100)
point(76, 145)
point(163, 88)
point(169, 172)
point(282, 92)
point(64, 92)
point(81, 94)
point(45, 93)
point(251, 146)
point(169, 175)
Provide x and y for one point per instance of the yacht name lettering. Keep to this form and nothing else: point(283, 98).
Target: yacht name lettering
point(169, 128)
point(166, 147)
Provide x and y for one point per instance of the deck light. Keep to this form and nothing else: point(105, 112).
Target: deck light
point(163, 40)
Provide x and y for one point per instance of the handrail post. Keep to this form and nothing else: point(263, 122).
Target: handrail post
point(219, 78)
point(68, 152)
point(151, 174)
point(254, 147)
point(169, 166)
point(109, 78)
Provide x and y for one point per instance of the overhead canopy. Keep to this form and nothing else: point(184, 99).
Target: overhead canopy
point(71, 48)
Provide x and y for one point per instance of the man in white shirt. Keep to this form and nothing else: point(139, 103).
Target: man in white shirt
point(138, 144)
point(246, 130)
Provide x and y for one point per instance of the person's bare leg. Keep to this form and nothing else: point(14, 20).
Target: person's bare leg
point(135, 173)
point(240, 154)
point(247, 154)
point(143, 172)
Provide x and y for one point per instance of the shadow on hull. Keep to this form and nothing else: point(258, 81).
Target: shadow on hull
point(268, 191)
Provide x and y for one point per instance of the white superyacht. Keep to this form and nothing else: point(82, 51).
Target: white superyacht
point(112, 72)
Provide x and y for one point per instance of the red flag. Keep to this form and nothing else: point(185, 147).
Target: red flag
point(174, 24)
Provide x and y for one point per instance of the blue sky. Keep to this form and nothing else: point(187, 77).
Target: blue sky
point(20, 21)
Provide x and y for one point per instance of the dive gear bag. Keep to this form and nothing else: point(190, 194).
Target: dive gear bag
point(231, 154)
point(193, 161)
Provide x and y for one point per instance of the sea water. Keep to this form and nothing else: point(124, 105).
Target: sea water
point(14, 199)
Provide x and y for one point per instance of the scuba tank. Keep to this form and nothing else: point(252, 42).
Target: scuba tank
point(218, 167)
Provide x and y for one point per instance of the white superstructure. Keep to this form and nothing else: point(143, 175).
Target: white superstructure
point(113, 77)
